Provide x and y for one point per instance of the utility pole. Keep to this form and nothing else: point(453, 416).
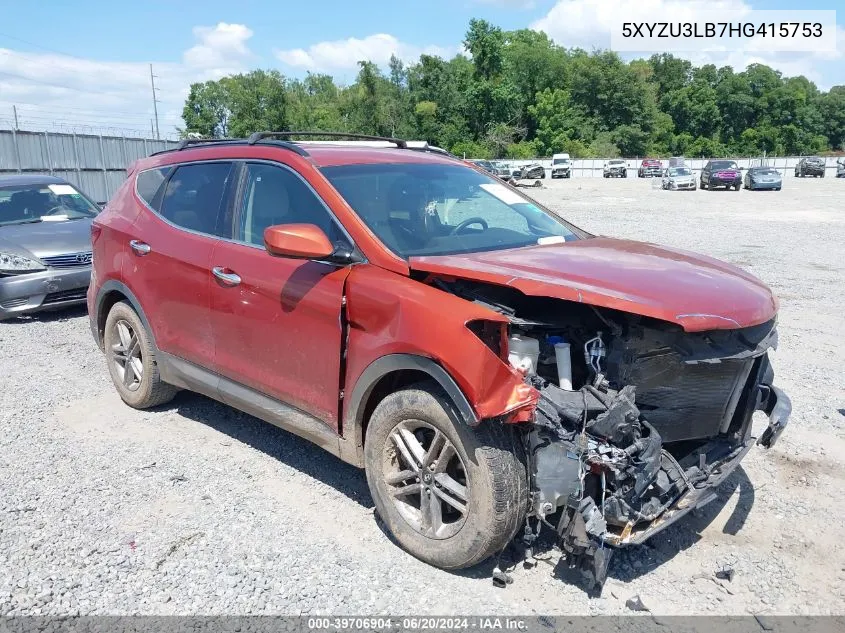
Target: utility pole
point(155, 101)
point(15, 110)
point(152, 129)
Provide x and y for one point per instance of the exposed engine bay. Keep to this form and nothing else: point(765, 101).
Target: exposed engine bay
point(637, 421)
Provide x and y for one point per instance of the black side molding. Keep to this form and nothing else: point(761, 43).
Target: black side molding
point(94, 317)
point(353, 419)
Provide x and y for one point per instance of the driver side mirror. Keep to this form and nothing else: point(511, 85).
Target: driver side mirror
point(299, 241)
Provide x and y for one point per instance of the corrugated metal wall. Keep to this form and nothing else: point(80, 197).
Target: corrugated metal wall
point(95, 164)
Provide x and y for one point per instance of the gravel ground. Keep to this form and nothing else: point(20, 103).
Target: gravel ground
point(195, 508)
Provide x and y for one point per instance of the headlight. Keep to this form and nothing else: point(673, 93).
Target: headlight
point(9, 262)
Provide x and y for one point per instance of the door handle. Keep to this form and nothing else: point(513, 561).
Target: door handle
point(139, 247)
point(230, 279)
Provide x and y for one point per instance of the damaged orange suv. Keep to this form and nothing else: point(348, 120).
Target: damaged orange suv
point(493, 368)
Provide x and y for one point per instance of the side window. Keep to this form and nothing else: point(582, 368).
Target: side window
point(275, 195)
point(194, 196)
point(149, 185)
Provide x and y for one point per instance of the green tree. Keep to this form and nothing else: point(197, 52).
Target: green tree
point(485, 42)
point(206, 111)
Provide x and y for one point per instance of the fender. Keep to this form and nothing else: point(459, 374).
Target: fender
point(94, 315)
point(353, 422)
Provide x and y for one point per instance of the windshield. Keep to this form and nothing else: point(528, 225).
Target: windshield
point(767, 171)
point(560, 161)
point(617, 162)
point(723, 164)
point(679, 171)
point(58, 202)
point(437, 209)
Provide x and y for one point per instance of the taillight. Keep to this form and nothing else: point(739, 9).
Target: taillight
point(96, 229)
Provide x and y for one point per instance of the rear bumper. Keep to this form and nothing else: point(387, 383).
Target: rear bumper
point(46, 290)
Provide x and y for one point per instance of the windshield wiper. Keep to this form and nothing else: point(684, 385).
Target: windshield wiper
point(29, 221)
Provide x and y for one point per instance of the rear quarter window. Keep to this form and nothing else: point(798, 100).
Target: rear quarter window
point(149, 183)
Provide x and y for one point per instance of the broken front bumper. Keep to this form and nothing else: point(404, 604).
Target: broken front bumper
point(778, 407)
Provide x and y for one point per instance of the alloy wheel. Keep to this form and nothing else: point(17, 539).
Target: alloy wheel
point(126, 355)
point(426, 479)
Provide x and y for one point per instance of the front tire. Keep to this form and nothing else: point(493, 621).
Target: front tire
point(450, 494)
point(131, 360)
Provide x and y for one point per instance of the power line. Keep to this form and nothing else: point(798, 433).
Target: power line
point(58, 116)
point(53, 62)
point(46, 48)
point(66, 87)
point(47, 108)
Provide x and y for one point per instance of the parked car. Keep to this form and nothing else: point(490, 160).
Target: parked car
point(721, 173)
point(561, 166)
point(502, 170)
point(678, 179)
point(45, 244)
point(810, 166)
point(763, 177)
point(486, 165)
point(840, 168)
point(299, 283)
point(530, 172)
point(650, 168)
point(615, 168)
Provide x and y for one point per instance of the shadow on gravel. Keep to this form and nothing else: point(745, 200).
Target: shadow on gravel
point(64, 314)
point(286, 447)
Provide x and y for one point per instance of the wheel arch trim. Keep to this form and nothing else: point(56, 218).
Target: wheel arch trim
point(353, 421)
point(113, 285)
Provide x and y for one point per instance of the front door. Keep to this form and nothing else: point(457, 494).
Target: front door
point(277, 321)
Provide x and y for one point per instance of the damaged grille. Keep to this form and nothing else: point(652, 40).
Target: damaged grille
point(687, 401)
point(689, 384)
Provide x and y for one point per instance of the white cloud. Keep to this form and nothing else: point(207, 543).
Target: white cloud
point(60, 92)
point(509, 4)
point(345, 54)
point(218, 46)
point(587, 24)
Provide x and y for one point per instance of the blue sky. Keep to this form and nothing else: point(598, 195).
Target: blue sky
point(87, 63)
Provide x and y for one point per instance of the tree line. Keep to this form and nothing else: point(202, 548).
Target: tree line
point(520, 95)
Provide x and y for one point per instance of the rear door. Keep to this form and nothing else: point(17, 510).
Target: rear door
point(276, 321)
point(169, 268)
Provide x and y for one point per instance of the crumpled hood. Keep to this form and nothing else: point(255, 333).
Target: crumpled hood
point(694, 291)
point(44, 239)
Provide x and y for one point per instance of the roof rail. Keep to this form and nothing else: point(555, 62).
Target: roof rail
point(190, 142)
point(257, 136)
point(197, 141)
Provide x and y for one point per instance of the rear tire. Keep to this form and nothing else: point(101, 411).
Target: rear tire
point(131, 360)
point(417, 447)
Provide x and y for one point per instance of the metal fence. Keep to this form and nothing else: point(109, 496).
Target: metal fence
point(94, 164)
point(593, 167)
